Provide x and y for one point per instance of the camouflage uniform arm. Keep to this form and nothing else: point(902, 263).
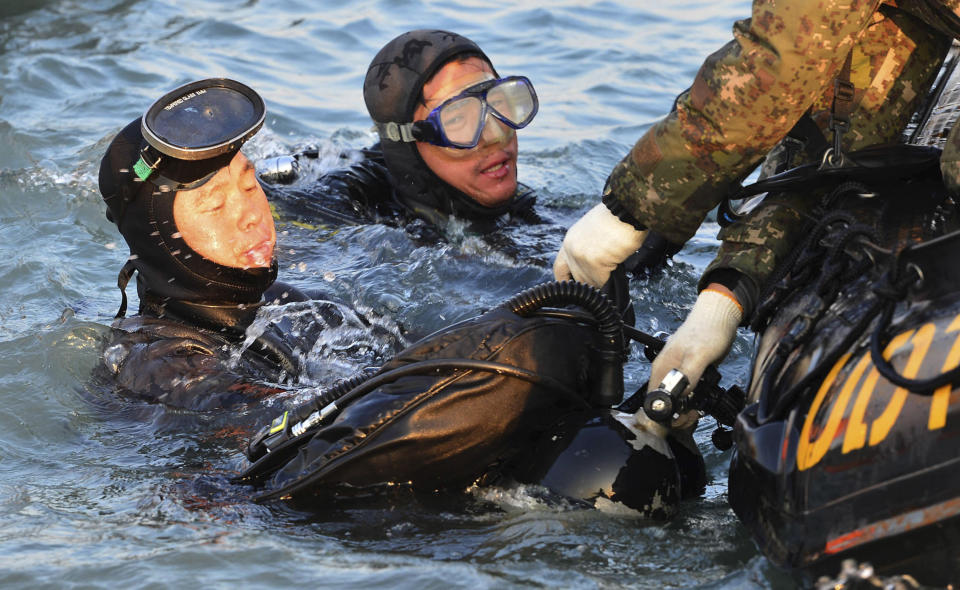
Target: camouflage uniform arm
point(754, 245)
point(895, 60)
point(745, 98)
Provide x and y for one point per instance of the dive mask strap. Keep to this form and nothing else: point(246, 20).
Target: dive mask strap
point(396, 131)
point(148, 172)
point(122, 280)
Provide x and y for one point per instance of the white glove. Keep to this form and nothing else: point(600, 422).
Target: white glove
point(704, 338)
point(594, 246)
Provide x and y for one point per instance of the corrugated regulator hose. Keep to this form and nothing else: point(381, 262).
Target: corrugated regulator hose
point(610, 384)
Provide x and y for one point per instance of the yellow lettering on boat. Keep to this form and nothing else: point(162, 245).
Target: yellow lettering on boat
point(838, 409)
point(856, 435)
point(921, 344)
point(941, 397)
point(806, 457)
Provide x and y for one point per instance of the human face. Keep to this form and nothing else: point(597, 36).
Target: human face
point(227, 220)
point(486, 173)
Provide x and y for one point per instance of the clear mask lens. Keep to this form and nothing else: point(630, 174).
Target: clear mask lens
point(461, 119)
point(512, 100)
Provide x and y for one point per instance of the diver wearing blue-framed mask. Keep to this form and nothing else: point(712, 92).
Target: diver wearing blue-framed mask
point(447, 126)
point(410, 83)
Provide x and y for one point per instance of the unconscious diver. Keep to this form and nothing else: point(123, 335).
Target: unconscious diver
point(201, 237)
point(529, 392)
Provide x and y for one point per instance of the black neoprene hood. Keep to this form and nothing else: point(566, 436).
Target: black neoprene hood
point(167, 267)
point(396, 76)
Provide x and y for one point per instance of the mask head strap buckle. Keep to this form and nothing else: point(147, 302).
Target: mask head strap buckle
point(142, 169)
point(396, 131)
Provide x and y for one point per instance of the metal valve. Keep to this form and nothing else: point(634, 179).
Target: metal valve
point(663, 402)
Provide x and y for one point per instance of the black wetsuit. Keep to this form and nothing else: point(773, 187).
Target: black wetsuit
point(181, 360)
point(364, 192)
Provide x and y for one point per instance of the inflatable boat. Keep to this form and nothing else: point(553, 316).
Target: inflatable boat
point(849, 447)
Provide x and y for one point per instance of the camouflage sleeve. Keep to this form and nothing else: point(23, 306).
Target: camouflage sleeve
point(754, 245)
point(895, 61)
point(745, 98)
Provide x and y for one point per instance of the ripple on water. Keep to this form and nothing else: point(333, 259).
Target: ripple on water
point(103, 490)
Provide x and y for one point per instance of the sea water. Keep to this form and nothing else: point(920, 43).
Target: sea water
point(100, 492)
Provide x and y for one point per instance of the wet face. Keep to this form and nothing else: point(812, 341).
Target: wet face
point(228, 220)
point(486, 173)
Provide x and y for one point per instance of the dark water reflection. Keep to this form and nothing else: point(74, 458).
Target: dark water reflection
point(99, 491)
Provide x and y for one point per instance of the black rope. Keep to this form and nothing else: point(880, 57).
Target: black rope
point(879, 339)
point(814, 262)
point(803, 266)
point(830, 266)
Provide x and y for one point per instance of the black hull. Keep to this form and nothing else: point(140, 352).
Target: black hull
point(848, 465)
point(810, 521)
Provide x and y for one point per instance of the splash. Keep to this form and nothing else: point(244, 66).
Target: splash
point(331, 340)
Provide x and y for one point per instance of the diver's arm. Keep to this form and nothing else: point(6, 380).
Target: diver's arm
point(190, 381)
point(353, 194)
point(744, 99)
point(366, 183)
point(180, 370)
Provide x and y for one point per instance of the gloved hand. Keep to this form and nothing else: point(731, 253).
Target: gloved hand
point(594, 246)
point(704, 338)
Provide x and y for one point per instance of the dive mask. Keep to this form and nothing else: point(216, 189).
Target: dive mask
point(458, 122)
point(193, 131)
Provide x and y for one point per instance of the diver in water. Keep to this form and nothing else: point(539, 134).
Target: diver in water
point(447, 124)
point(523, 393)
point(201, 239)
point(802, 81)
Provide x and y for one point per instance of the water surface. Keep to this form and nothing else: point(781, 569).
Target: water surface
point(102, 492)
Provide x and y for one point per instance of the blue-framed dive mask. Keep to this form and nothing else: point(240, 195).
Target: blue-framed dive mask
point(458, 122)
